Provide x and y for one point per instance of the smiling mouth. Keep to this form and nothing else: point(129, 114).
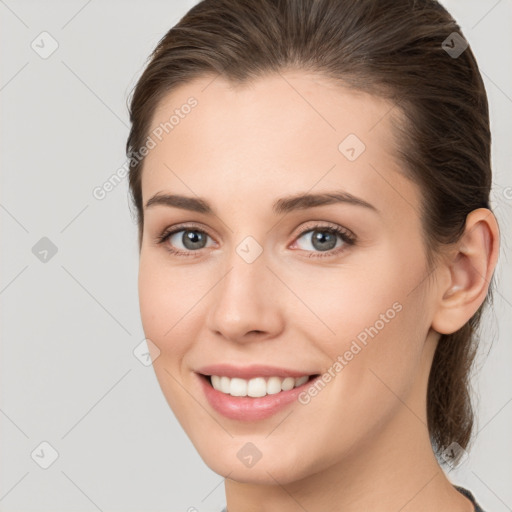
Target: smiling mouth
point(257, 386)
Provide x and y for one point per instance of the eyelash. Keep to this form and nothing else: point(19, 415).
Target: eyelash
point(347, 236)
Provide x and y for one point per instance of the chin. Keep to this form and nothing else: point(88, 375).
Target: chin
point(270, 469)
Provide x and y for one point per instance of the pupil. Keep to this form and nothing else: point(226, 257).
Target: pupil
point(321, 237)
point(192, 240)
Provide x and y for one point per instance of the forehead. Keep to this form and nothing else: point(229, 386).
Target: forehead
point(290, 131)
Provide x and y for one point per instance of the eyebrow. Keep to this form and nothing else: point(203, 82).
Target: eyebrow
point(287, 204)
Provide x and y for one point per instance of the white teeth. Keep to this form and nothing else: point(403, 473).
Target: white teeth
point(273, 385)
point(215, 381)
point(256, 387)
point(238, 387)
point(288, 384)
point(224, 385)
point(301, 380)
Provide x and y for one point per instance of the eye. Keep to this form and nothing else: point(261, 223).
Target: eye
point(324, 239)
point(328, 239)
point(183, 241)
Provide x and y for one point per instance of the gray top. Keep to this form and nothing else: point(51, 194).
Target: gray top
point(462, 490)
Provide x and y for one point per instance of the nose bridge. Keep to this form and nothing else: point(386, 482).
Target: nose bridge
point(243, 299)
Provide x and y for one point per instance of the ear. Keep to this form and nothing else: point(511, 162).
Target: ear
point(468, 270)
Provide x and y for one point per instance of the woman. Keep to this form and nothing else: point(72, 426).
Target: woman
point(316, 378)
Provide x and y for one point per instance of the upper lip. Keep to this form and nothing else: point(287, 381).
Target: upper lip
point(249, 372)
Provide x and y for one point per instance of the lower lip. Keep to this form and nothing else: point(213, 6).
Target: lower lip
point(244, 408)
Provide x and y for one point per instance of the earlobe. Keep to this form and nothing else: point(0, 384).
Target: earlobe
point(470, 270)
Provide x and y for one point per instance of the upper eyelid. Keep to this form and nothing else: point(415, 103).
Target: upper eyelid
point(322, 223)
point(194, 227)
point(319, 224)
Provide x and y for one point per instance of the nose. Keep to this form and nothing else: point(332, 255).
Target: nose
point(247, 302)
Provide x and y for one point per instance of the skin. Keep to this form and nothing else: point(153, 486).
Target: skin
point(362, 443)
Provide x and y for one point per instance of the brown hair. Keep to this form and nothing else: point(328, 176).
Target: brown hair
point(390, 48)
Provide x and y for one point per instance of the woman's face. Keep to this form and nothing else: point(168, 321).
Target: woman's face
point(262, 284)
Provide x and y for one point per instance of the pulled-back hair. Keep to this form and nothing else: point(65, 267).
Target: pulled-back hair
point(400, 50)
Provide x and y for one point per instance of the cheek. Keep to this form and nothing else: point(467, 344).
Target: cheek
point(167, 298)
point(375, 325)
point(374, 364)
point(365, 300)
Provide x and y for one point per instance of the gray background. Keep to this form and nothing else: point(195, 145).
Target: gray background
point(69, 325)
